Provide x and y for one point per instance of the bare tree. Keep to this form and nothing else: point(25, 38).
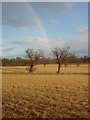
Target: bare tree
point(60, 54)
point(77, 62)
point(33, 57)
point(44, 61)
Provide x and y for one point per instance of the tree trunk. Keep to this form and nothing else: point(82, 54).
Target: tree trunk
point(31, 68)
point(58, 68)
point(44, 64)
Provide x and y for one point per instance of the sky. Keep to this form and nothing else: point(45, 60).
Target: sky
point(44, 25)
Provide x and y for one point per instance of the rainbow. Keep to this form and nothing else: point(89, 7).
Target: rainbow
point(39, 24)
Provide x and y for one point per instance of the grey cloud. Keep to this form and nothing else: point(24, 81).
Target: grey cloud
point(17, 14)
point(0, 14)
point(1, 45)
point(81, 30)
point(53, 21)
point(78, 46)
point(45, 0)
point(55, 7)
point(22, 41)
point(8, 49)
point(30, 42)
point(20, 22)
point(80, 53)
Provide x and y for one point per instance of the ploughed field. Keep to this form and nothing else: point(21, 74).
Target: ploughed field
point(43, 95)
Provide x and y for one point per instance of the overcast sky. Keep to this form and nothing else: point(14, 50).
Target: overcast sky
point(44, 26)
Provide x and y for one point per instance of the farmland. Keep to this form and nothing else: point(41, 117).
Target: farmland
point(44, 93)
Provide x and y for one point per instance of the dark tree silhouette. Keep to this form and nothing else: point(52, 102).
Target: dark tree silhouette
point(44, 61)
point(61, 55)
point(33, 57)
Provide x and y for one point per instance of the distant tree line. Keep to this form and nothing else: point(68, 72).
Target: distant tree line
point(34, 57)
point(25, 62)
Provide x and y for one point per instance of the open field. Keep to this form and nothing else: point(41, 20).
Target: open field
point(42, 95)
point(48, 69)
